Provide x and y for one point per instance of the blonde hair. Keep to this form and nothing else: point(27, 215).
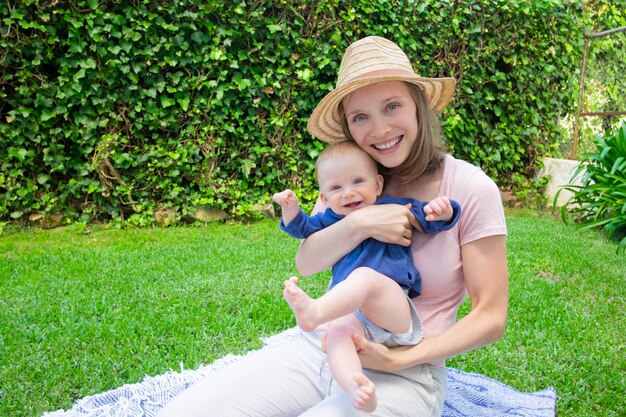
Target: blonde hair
point(428, 151)
point(341, 148)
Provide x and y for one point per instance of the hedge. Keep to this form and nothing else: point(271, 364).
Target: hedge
point(113, 110)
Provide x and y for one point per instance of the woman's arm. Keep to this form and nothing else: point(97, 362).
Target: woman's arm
point(486, 278)
point(389, 223)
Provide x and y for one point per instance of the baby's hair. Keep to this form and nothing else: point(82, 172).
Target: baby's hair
point(338, 149)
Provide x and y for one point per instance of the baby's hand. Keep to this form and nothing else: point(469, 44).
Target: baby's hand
point(285, 198)
point(288, 202)
point(438, 209)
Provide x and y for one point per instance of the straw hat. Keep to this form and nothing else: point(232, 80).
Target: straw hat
point(368, 61)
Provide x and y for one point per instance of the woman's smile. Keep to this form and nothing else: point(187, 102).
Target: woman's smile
point(382, 120)
point(385, 146)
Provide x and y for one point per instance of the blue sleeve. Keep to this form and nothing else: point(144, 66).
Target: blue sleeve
point(303, 226)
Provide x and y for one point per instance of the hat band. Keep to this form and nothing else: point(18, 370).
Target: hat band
point(382, 73)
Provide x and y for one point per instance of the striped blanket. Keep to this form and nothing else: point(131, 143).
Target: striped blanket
point(468, 394)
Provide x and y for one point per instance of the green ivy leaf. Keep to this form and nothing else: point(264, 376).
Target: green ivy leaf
point(47, 115)
point(167, 101)
point(199, 37)
point(184, 103)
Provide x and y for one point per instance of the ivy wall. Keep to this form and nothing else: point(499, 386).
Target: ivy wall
point(111, 110)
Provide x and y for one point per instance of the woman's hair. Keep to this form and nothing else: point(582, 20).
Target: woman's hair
point(428, 151)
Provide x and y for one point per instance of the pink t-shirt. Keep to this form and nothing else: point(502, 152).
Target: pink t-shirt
point(438, 257)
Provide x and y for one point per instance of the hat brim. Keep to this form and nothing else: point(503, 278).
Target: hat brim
point(325, 122)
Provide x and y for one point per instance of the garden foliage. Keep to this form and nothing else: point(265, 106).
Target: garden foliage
point(111, 110)
point(600, 200)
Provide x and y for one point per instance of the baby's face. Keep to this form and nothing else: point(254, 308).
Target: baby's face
point(349, 182)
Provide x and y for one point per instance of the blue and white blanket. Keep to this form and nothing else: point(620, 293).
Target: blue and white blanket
point(468, 395)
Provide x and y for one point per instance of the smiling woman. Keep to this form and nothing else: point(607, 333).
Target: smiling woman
point(393, 126)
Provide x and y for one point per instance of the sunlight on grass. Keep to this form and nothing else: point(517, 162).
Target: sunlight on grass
point(84, 313)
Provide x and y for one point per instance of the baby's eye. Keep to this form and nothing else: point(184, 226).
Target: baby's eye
point(335, 187)
point(359, 180)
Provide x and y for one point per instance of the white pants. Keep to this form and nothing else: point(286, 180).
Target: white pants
point(293, 379)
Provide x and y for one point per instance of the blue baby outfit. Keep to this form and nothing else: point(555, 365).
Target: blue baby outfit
point(392, 260)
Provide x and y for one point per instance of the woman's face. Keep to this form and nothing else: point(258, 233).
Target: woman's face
point(382, 120)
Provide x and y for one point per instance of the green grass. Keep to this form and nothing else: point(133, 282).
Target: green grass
point(81, 314)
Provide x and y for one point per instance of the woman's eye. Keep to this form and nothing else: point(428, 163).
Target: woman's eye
point(393, 106)
point(358, 118)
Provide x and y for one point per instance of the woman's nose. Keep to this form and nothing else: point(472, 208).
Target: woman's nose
point(380, 128)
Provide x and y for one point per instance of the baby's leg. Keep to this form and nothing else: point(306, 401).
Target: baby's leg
point(345, 365)
point(380, 298)
point(307, 310)
point(384, 302)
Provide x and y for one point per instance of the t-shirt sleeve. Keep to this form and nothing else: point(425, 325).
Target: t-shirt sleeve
point(483, 213)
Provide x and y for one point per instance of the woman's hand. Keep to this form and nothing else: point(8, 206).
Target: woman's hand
point(375, 355)
point(372, 355)
point(389, 223)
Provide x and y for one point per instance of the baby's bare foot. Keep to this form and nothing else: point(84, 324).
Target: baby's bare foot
point(364, 395)
point(301, 304)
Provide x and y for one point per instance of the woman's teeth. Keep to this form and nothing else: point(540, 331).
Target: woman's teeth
point(388, 145)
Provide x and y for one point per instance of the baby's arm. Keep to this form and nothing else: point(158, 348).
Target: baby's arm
point(288, 202)
point(439, 209)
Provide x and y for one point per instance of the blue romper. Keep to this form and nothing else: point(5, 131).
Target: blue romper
point(392, 260)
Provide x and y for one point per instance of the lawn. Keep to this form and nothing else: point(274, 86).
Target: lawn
point(84, 311)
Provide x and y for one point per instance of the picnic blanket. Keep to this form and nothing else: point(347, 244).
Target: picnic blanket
point(468, 394)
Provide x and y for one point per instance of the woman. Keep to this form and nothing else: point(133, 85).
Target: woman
point(381, 104)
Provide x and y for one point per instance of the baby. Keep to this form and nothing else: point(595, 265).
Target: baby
point(371, 288)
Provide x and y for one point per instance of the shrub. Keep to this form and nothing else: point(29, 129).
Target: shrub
point(600, 199)
point(114, 110)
